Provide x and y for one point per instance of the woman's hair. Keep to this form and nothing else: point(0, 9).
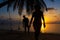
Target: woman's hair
point(37, 7)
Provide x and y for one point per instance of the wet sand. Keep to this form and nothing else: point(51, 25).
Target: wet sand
point(18, 35)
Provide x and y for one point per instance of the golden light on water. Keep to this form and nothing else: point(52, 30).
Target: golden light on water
point(42, 28)
point(46, 21)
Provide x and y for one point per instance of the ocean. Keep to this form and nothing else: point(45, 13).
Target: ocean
point(50, 28)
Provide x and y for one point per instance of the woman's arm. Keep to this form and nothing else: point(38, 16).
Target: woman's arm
point(31, 20)
point(43, 20)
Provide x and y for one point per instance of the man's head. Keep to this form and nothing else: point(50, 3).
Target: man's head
point(23, 16)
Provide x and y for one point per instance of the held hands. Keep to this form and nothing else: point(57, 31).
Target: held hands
point(30, 25)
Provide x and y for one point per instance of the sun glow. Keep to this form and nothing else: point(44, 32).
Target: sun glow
point(42, 28)
point(46, 21)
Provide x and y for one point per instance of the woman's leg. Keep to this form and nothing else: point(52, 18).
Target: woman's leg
point(37, 31)
point(28, 29)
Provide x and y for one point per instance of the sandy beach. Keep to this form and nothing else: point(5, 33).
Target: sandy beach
point(18, 35)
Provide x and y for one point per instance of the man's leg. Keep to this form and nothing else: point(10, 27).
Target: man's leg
point(28, 29)
point(25, 29)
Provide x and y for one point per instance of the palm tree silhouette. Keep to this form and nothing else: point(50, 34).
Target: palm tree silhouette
point(20, 4)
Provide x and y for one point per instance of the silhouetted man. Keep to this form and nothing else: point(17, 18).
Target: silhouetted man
point(25, 23)
point(37, 15)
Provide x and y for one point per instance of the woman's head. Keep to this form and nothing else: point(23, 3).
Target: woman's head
point(37, 7)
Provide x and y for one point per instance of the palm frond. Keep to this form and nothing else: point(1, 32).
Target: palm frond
point(10, 2)
point(15, 5)
point(20, 6)
point(3, 4)
point(52, 0)
point(30, 4)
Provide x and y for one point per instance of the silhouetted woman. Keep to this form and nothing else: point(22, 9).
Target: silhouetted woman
point(37, 15)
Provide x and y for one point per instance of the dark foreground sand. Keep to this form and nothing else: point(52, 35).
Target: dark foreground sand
point(15, 35)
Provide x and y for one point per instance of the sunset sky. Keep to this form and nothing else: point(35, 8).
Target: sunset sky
point(51, 16)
